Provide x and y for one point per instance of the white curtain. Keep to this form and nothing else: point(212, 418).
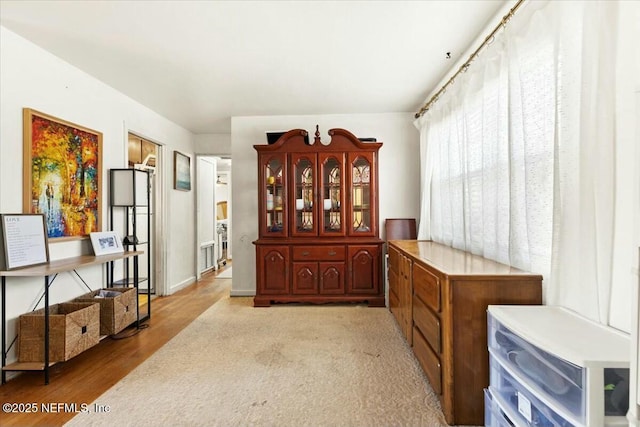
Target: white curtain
point(519, 156)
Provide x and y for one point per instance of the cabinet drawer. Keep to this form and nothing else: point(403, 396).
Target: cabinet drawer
point(426, 287)
point(428, 324)
point(428, 360)
point(318, 253)
point(394, 260)
point(394, 282)
point(405, 266)
point(394, 302)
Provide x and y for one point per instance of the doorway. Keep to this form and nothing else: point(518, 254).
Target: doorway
point(145, 155)
point(213, 212)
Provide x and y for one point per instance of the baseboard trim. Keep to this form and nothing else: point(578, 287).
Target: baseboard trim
point(242, 293)
point(175, 288)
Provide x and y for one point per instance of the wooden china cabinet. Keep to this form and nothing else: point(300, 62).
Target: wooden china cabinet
point(318, 211)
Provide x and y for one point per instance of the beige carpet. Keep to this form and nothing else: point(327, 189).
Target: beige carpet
point(287, 365)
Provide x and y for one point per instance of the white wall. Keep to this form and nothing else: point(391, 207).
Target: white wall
point(31, 77)
point(213, 143)
point(399, 172)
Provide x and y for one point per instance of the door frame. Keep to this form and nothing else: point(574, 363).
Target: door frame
point(159, 216)
point(199, 203)
point(197, 210)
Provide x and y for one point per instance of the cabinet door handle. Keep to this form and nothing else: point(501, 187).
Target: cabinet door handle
point(305, 253)
point(332, 253)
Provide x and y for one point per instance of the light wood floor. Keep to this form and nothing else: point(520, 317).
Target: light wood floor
point(85, 377)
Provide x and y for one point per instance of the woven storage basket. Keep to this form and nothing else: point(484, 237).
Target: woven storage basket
point(116, 313)
point(73, 328)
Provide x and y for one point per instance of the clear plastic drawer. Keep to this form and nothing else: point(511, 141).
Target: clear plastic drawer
point(546, 374)
point(493, 415)
point(518, 400)
point(584, 374)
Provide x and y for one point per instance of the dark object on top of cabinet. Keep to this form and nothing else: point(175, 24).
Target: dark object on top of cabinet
point(272, 137)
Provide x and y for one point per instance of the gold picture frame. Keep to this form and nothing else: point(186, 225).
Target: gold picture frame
point(62, 175)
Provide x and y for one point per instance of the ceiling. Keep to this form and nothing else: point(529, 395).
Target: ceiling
point(199, 63)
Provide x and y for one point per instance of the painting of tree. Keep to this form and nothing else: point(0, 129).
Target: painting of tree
point(62, 174)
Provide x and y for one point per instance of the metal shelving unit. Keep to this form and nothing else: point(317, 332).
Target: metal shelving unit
point(130, 192)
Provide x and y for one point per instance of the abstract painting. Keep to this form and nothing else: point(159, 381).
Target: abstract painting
point(181, 171)
point(62, 175)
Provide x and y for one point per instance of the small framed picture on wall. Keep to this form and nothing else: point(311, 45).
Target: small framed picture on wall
point(181, 171)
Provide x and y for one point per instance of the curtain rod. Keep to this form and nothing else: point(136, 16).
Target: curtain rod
point(465, 66)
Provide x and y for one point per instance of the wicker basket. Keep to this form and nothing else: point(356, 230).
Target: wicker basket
point(73, 328)
point(116, 312)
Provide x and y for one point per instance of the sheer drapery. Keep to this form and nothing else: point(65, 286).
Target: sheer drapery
point(488, 153)
point(518, 157)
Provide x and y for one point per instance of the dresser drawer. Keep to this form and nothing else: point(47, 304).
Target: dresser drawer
point(394, 260)
point(394, 282)
point(405, 268)
point(394, 302)
point(428, 323)
point(426, 287)
point(428, 360)
point(319, 253)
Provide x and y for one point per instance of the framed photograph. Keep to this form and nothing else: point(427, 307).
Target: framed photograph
point(62, 175)
point(106, 242)
point(181, 171)
point(23, 241)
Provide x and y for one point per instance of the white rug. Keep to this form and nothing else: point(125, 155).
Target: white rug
point(287, 365)
point(226, 274)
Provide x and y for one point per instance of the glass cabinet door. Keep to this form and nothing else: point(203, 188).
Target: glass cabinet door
point(274, 200)
point(362, 208)
point(332, 180)
point(304, 175)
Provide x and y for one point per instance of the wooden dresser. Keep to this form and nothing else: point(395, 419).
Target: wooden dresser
point(439, 297)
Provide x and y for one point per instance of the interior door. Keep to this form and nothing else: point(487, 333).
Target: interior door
point(206, 213)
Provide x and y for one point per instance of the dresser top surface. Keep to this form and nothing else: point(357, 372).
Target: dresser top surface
point(455, 262)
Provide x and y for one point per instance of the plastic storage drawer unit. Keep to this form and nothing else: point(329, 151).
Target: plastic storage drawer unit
point(576, 370)
point(515, 398)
